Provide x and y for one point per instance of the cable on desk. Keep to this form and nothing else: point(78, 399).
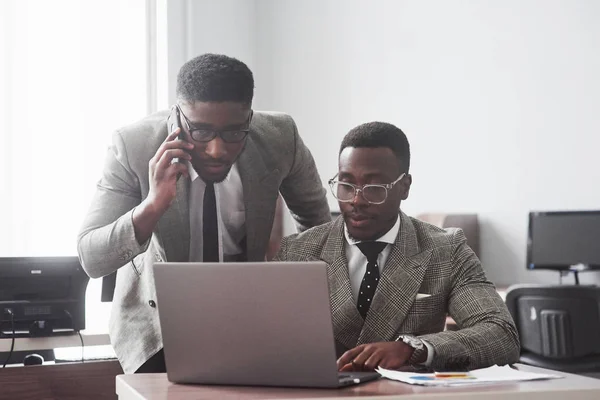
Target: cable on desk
point(561, 274)
point(81, 339)
point(78, 332)
point(12, 344)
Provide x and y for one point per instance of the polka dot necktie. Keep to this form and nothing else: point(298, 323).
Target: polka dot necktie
point(210, 230)
point(369, 283)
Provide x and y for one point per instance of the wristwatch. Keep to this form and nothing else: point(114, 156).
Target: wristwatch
point(416, 344)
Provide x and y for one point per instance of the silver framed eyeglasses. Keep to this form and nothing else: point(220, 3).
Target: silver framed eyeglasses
point(373, 193)
point(206, 135)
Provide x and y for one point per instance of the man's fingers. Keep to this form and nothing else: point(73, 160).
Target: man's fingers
point(179, 169)
point(374, 361)
point(171, 175)
point(168, 155)
point(173, 135)
point(367, 357)
point(171, 143)
point(348, 356)
point(347, 368)
point(359, 361)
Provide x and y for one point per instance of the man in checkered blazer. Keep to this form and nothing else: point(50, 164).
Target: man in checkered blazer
point(389, 309)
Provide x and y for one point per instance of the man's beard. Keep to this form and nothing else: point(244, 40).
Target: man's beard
point(223, 178)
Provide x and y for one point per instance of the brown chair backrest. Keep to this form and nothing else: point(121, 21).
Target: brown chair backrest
point(469, 223)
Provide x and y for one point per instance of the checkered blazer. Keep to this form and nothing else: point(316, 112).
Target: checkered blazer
point(427, 260)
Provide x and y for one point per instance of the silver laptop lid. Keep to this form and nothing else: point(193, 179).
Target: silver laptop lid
point(263, 323)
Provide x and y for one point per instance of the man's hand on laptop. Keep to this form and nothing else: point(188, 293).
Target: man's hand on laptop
point(367, 357)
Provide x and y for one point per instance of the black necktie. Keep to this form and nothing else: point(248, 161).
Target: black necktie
point(369, 283)
point(210, 230)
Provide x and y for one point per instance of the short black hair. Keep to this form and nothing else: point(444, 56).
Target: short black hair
point(215, 78)
point(380, 134)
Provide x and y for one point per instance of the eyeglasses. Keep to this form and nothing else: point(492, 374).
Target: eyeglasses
point(206, 135)
point(373, 193)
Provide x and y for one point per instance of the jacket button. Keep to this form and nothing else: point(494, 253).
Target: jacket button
point(152, 303)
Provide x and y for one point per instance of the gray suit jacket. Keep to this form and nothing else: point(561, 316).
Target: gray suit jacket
point(424, 259)
point(273, 160)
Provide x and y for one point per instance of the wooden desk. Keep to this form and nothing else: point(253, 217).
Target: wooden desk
point(55, 342)
point(156, 386)
point(89, 380)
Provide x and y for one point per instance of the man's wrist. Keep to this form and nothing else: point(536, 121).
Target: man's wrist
point(419, 353)
point(145, 217)
point(419, 356)
point(153, 208)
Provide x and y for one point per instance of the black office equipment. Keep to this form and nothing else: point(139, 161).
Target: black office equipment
point(33, 359)
point(109, 283)
point(45, 294)
point(566, 241)
point(558, 325)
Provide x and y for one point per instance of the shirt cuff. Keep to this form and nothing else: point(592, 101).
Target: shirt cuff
point(429, 360)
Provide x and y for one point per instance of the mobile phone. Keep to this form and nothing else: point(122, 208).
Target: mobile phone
point(174, 122)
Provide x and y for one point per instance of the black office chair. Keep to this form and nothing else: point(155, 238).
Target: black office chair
point(559, 326)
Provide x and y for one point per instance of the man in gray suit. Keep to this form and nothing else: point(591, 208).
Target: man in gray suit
point(392, 278)
point(203, 191)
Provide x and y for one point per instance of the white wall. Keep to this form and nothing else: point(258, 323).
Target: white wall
point(500, 101)
point(209, 26)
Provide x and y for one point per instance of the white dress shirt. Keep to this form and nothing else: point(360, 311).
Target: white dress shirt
point(357, 266)
point(231, 214)
point(357, 261)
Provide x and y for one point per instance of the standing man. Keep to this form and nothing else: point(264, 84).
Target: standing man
point(392, 278)
point(205, 191)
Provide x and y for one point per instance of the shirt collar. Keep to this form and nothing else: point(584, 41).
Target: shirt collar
point(191, 171)
point(389, 237)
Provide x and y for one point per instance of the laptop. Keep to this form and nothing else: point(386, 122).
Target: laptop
point(253, 324)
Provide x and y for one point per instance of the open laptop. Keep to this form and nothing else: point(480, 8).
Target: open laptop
point(266, 323)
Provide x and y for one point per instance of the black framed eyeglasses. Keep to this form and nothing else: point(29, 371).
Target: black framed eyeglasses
point(373, 193)
point(206, 135)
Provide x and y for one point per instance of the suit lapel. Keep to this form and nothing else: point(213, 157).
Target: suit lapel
point(174, 225)
point(347, 322)
point(261, 188)
point(398, 286)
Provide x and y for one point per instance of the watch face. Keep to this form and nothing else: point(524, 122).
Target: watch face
point(413, 342)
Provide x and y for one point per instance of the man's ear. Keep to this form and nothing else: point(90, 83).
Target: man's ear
point(405, 186)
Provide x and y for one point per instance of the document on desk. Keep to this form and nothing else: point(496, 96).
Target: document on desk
point(493, 374)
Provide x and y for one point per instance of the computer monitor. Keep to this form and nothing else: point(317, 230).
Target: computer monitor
point(564, 240)
point(41, 296)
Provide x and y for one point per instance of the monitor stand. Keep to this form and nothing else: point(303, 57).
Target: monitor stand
point(575, 269)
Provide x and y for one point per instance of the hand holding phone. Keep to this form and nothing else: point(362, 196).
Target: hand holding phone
point(163, 174)
point(167, 165)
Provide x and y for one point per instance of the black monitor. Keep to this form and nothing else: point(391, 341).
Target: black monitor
point(45, 295)
point(564, 240)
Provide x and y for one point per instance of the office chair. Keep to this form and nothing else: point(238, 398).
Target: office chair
point(469, 223)
point(559, 326)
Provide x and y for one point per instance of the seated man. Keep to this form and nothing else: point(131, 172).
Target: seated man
point(392, 278)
